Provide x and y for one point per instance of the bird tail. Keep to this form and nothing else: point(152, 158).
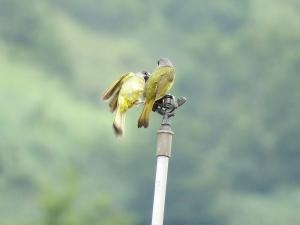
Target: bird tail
point(119, 122)
point(144, 117)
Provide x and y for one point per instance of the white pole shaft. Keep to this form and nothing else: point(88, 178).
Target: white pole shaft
point(160, 190)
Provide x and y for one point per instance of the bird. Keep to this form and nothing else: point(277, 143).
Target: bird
point(123, 94)
point(157, 86)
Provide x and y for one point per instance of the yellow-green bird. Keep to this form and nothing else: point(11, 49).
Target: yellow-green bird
point(123, 94)
point(159, 83)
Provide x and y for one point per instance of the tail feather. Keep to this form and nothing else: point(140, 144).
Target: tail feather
point(119, 123)
point(144, 117)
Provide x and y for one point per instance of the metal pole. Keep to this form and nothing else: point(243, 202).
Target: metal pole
point(163, 153)
point(165, 107)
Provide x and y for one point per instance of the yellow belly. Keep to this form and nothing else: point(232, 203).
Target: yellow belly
point(131, 92)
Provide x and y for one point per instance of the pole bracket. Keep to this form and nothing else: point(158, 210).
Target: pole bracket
point(164, 140)
point(166, 107)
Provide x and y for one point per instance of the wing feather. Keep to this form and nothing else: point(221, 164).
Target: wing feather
point(163, 81)
point(115, 87)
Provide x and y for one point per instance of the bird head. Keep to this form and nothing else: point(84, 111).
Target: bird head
point(165, 62)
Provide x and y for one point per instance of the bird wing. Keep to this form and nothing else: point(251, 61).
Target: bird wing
point(113, 103)
point(165, 82)
point(116, 86)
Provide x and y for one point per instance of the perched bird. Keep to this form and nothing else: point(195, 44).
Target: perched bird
point(123, 94)
point(158, 84)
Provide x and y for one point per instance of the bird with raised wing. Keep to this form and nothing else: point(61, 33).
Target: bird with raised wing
point(123, 94)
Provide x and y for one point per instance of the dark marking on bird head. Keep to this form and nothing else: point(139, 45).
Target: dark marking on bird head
point(165, 62)
point(144, 74)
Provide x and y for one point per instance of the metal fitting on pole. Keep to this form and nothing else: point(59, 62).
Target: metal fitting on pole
point(164, 140)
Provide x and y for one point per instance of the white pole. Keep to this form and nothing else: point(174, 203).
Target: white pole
point(164, 144)
point(160, 190)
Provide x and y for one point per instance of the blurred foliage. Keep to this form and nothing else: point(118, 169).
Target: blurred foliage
point(236, 149)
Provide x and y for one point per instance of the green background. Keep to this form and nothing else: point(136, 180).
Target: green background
point(236, 158)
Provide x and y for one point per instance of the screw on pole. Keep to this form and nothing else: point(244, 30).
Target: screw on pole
point(167, 108)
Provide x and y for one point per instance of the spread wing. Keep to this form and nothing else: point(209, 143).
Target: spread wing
point(116, 86)
point(113, 103)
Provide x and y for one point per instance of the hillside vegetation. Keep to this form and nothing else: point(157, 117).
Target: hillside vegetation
point(236, 145)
